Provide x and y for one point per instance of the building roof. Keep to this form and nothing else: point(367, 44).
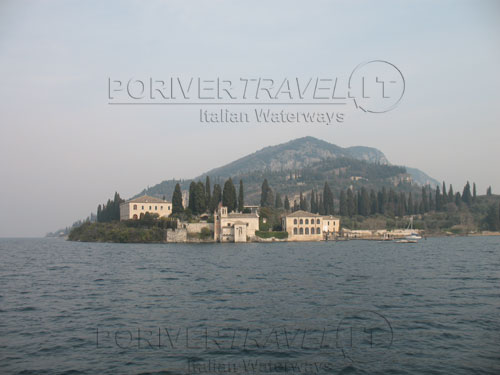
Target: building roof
point(301, 213)
point(147, 199)
point(239, 223)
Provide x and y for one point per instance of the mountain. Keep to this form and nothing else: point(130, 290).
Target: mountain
point(304, 164)
point(293, 155)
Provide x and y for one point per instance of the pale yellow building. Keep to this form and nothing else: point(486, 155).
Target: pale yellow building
point(306, 226)
point(135, 208)
point(234, 227)
point(331, 225)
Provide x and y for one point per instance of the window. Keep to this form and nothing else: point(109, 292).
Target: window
point(295, 229)
point(307, 221)
point(135, 207)
point(318, 231)
point(307, 230)
point(301, 231)
point(150, 207)
point(142, 208)
point(295, 221)
point(301, 221)
point(156, 208)
point(317, 221)
point(168, 208)
point(312, 230)
point(161, 207)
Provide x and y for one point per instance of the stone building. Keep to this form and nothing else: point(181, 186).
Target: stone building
point(306, 226)
point(135, 208)
point(234, 227)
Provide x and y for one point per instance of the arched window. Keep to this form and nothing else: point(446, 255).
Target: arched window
point(307, 221)
point(156, 208)
point(301, 221)
point(317, 221)
point(295, 221)
point(135, 207)
point(134, 217)
point(307, 230)
point(318, 231)
point(295, 230)
point(301, 230)
point(312, 230)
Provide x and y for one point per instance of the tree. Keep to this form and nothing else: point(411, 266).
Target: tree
point(199, 205)
point(287, 203)
point(229, 196)
point(373, 203)
point(444, 197)
point(410, 204)
point(438, 199)
point(192, 199)
point(466, 195)
point(451, 195)
point(208, 197)
point(327, 200)
point(492, 218)
point(425, 201)
point(488, 191)
point(343, 204)
point(474, 192)
point(350, 203)
point(364, 202)
point(303, 202)
point(241, 200)
point(314, 205)
point(216, 197)
point(110, 211)
point(177, 206)
point(278, 203)
point(266, 195)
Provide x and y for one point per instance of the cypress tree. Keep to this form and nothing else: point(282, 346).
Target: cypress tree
point(303, 205)
point(216, 197)
point(192, 199)
point(278, 203)
point(208, 197)
point(229, 196)
point(444, 197)
point(266, 195)
point(177, 200)
point(373, 203)
point(328, 200)
point(438, 199)
point(474, 192)
point(314, 206)
point(343, 204)
point(241, 201)
point(425, 200)
point(466, 195)
point(451, 195)
point(287, 203)
point(351, 206)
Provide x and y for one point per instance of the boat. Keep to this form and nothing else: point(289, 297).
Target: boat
point(413, 237)
point(405, 240)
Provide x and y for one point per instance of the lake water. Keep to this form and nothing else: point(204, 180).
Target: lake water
point(353, 307)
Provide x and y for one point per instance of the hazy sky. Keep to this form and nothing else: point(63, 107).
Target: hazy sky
point(63, 149)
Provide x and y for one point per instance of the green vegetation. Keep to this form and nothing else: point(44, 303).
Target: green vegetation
point(109, 211)
point(272, 234)
point(150, 228)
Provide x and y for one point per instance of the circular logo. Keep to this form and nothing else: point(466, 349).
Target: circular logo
point(364, 336)
point(376, 86)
